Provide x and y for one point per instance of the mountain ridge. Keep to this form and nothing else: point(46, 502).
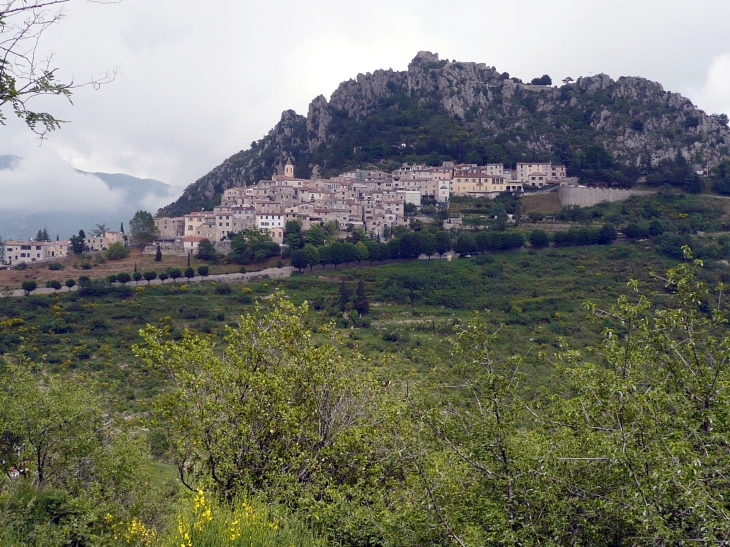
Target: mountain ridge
point(443, 109)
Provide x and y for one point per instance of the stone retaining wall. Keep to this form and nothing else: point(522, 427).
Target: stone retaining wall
point(587, 197)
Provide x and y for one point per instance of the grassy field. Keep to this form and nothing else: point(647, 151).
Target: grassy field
point(546, 204)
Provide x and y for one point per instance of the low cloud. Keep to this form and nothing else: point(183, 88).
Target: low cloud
point(42, 182)
point(715, 94)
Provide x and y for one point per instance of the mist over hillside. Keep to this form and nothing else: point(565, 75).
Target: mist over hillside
point(75, 200)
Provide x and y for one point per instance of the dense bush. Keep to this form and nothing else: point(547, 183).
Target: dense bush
point(54, 284)
point(223, 288)
point(539, 239)
point(29, 286)
point(56, 266)
point(117, 251)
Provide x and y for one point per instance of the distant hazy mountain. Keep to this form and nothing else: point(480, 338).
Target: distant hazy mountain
point(146, 194)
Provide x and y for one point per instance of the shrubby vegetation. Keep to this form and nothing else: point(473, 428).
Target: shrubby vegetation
point(628, 445)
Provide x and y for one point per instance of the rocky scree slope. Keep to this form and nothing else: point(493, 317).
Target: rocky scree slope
point(440, 109)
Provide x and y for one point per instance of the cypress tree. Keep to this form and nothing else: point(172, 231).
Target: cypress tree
point(344, 296)
point(361, 304)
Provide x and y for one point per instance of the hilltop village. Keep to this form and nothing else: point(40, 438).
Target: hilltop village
point(370, 200)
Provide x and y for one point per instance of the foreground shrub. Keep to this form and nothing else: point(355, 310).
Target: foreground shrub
point(241, 422)
point(117, 251)
point(202, 521)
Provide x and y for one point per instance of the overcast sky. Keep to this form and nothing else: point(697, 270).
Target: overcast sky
point(198, 81)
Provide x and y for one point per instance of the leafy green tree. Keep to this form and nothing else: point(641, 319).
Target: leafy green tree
point(136, 276)
point(112, 278)
point(252, 246)
point(650, 419)
point(206, 251)
point(203, 271)
point(299, 259)
point(315, 236)
point(123, 278)
point(77, 244)
point(70, 283)
point(336, 253)
point(293, 235)
point(163, 276)
point(374, 252)
point(150, 276)
point(443, 242)
point(539, 239)
point(362, 251)
point(189, 273)
point(117, 251)
point(465, 244)
point(428, 244)
point(54, 284)
point(349, 252)
point(142, 229)
point(77, 470)
point(486, 449)
point(311, 254)
point(175, 273)
point(279, 415)
point(332, 227)
point(325, 255)
point(410, 245)
point(29, 286)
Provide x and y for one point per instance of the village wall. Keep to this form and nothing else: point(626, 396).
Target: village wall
point(587, 197)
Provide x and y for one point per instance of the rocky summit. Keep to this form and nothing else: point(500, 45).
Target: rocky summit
point(440, 110)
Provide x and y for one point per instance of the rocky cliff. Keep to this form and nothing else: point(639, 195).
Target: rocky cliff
point(440, 109)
